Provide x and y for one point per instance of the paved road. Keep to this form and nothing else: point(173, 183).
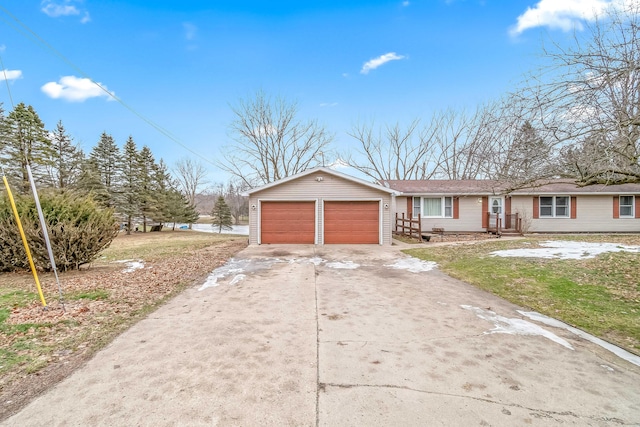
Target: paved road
point(341, 336)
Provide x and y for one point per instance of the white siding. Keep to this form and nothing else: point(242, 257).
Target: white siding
point(470, 216)
point(329, 188)
point(594, 214)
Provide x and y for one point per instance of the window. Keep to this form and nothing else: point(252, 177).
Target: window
point(626, 207)
point(416, 207)
point(441, 207)
point(554, 207)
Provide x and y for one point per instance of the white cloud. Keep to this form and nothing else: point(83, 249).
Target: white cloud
point(75, 89)
point(58, 8)
point(561, 14)
point(374, 63)
point(339, 164)
point(406, 3)
point(10, 74)
point(328, 104)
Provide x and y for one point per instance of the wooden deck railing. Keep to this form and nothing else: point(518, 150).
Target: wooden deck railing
point(512, 224)
point(411, 227)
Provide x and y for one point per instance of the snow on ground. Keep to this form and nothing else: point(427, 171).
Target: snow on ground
point(504, 325)
point(131, 265)
point(567, 250)
point(629, 357)
point(235, 268)
point(208, 228)
point(346, 265)
point(414, 265)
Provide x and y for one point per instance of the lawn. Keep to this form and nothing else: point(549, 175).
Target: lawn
point(600, 295)
point(39, 347)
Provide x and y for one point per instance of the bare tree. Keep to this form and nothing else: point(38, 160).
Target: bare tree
point(271, 143)
point(588, 98)
point(393, 152)
point(190, 176)
point(238, 204)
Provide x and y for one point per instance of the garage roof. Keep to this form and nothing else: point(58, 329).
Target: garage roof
point(323, 170)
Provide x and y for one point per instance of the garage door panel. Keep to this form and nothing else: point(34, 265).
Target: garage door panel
point(351, 222)
point(287, 222)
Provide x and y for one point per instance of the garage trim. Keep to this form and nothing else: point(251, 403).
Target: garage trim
point(356, 199)
point(259, 209)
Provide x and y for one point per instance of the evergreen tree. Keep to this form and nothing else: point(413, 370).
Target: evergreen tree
point(163, 185)
point(25, 141)
point(67, 159)
point(131, 179)
point(148, 188)
point(106, 156)
point(221, 215)
point(178, 208)
point(89, 182)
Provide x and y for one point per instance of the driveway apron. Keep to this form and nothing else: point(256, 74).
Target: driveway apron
point(341, 336)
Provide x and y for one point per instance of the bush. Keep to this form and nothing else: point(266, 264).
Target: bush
point(78, 229)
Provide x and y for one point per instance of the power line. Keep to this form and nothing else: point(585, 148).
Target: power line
point(150, 122)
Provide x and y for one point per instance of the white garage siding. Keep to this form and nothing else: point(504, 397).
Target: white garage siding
point(320, 186)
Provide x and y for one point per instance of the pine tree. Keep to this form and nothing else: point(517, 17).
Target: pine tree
point(89, 183)
point(25, 142)
point(221, 215)
point(163, 185)
point(67, 159)
point(106, 156)
point(148, 188)
point(131, 180)
point(179, 209)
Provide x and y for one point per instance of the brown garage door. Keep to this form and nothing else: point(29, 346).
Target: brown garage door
point(351, 222)
point(287, 222)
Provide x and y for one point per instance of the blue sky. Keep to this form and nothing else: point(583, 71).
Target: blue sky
point(181, 64)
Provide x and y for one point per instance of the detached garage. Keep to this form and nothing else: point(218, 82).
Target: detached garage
point(320, 206)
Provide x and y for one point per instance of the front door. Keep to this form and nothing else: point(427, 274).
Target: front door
point(496, 207)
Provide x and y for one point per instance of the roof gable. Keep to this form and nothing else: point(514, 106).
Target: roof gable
point(323, 170)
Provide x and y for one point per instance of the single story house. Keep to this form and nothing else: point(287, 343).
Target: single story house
point(321, 206)
point(555, 206)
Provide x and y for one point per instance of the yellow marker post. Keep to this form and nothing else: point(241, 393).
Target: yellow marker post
point(24, 241)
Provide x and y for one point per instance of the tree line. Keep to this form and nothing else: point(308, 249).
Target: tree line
point(577, 117)
point(129, 180)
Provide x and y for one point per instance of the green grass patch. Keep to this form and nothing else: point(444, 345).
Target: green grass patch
point(16, 297)
point(599, 295)
point(93, 295)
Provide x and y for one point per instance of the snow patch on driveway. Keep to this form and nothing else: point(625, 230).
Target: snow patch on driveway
point(346, 265)
point(504, 325)
point(413, 265)
point(235, 268)
point(131, 265)
point(566, 250)
point(629, 357)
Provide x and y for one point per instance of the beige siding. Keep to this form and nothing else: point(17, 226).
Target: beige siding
point(594, 214)
point(329, 188)
point(470, 219)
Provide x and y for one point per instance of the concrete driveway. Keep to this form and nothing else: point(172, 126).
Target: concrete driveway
point(342, 336)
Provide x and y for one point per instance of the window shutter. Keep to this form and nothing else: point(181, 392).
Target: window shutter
point(456, 208)
point(536, 207)
point(616, 207)
point(485, 210)
point(507, 205)
point(574, 207)
point(409, 207)
point(637, 206)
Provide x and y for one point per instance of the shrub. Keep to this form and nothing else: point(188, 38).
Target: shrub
point(78, 229)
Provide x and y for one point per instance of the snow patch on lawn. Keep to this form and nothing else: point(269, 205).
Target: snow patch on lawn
point(504, 325)
point(413, 265)
point(131, 265)
point(567, 250)
point(629, 357)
